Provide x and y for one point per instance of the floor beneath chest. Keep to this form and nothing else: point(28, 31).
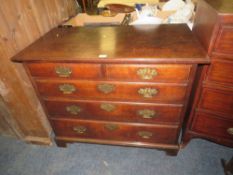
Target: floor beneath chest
point(198, 158)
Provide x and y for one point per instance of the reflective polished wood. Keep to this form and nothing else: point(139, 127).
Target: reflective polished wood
point(115, 85)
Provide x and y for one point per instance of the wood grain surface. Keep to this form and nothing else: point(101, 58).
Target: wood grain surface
point(22, 22)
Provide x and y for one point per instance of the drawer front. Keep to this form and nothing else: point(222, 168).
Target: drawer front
point(224, 41)
point(173, 93)
point(65, 70)
point(212, 126)
point(115, 111)
point(156, 73)
point(221, 72)
point(114, 131)
point(217, 101)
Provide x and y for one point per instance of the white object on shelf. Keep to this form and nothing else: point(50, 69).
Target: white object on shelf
point(173, 5)
point(183, 15)
point(147, 20)
point(147, 16)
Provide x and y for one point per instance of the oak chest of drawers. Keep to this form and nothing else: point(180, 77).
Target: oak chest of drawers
point(212, 112)
point(115, 85)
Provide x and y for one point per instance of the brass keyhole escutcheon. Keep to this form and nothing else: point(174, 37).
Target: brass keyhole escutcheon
point(80, 129)
point(147, 113)
point(147, 92)
point(67, 88)
point(230, 131)
point(73, 109)
point(147, 73)
point(63, 72)
point(145, 134)
point(107, 107)
point(111, 127)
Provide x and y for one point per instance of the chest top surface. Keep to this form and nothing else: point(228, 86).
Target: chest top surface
point(159, 43)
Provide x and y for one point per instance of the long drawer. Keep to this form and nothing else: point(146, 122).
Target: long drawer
point(213, 126)
point(221, 72)
point(217, 101)
point(114, 111)
point(170, 93)
point(115, 131)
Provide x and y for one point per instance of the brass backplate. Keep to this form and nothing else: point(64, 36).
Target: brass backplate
point(147, 92)
point(145, 134)
point(67, 88)
point(147, 73)
point(108, 107)
point(73, 109)
point(147, 113)
point(63, 71)
point(106, 88)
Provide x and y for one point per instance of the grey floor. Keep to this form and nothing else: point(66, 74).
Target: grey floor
point(198, 158)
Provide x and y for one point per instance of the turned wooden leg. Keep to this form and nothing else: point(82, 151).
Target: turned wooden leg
point(173, 152)
point(61, 143)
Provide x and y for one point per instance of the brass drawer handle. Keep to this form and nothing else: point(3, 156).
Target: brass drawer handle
point(73, 109)
point(147, 113)
point(230, 131)
point(111, 127)
point(147, 73)
point(145, 134)
point(80, 129)
point(67, 88)
point(147, 92)
point(108, 107)
point(63, 72)
point(106, 88)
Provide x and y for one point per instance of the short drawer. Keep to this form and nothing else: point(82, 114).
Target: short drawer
point(65, 70)
point(115, 111)
point(218, 101)
point(224, 41)
point(115, 131)
point(212, 126)
point(221, 72)
point(172, 93)
point(156, 73)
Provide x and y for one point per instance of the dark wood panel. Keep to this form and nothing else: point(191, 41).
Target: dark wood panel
point(115, 131)
point(65, 70)
point(170, 93)
point(155, 73)
point(213, 126)
point(115, 111)
point(205, 26)
point(221, 72)
point(217, 101)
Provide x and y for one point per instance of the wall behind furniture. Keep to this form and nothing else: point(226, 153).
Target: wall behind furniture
point(21, 23)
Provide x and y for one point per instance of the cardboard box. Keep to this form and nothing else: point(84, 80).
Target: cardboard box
point(84, 19)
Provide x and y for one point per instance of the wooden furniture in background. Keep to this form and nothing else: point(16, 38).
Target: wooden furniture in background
point(212, 112)
point(227, 166)
point(115, 85)
point(22, 22)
